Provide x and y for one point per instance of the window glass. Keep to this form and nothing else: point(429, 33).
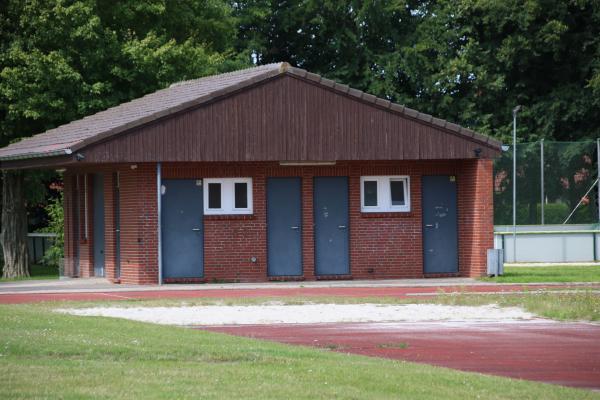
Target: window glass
point(397, 192)
point(214, 195)
point(370, 193)
point(225, 196)
point(385, 193)
point(241, 195)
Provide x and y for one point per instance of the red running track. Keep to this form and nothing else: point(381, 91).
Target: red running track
point(400, 292)
point(552, 352)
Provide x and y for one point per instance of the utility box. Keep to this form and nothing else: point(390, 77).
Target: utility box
point(495, 262)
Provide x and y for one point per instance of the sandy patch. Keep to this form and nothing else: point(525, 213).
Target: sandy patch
point(305, 314)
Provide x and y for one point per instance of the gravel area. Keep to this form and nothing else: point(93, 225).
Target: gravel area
point(308, 314)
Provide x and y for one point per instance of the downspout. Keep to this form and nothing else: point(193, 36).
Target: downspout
point(159, 224)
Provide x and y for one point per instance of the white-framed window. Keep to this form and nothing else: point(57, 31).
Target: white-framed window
point(227, 196)
point(385, 193)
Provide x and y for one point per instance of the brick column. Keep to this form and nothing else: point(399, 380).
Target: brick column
point(139, 225)
point(475, 216)
point(109, 227)
point(308, 226)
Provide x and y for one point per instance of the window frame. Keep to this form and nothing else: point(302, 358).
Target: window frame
point(384, 193)
point(228, 196)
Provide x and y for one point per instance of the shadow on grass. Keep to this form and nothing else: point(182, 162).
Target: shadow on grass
point(36, 272)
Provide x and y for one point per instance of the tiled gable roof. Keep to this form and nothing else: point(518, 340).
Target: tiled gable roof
point(70, 137)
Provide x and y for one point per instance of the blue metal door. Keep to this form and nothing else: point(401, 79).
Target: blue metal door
point(331, 226)
point(284, 227)
point(182, 228)
point(440, 233)
point(98, 204)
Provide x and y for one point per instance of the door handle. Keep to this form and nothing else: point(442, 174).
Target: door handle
point(196, 229)
point(294, 227)
point(342, 226)
point(117, 230)
point(429, 225)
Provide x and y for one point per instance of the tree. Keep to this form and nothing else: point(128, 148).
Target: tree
point(468, 61)
point(342, 40)
point(13, 234)
point(61, 60)
point(479, 58)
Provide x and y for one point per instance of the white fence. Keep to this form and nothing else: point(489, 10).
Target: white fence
point(549, 243)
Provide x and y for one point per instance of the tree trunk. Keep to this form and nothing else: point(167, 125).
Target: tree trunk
point(13, 235)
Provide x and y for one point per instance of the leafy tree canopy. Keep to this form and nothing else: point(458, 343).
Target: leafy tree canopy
point(470, 61)
point(61, 60)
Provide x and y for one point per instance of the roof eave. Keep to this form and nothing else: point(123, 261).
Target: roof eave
point(48, 160)
point(46, 154)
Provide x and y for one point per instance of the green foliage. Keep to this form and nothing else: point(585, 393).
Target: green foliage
point(343, 40)
point(480, 58)
point(36, 272)
point(56, 225)
point(569, 172)
point(62, 60)
point(469, 61)
point(554, 213)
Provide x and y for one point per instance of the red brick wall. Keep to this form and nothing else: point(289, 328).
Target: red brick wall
point(476, 216)
point(139, 244)
point(139, 225)
point(385, 245)
point(230, 241)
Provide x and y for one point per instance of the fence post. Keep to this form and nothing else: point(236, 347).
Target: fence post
point(542, 177)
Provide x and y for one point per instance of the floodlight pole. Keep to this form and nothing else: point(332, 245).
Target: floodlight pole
point(515, 111)
point(542, 179)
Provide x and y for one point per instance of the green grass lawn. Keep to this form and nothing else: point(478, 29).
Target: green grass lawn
point(48, 355)
point(559, 273)
point(582, 305)
point(37, 272)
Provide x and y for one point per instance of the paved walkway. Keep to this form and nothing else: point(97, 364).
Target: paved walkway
point(101, 284)
point(100, 289)
point(552, 352)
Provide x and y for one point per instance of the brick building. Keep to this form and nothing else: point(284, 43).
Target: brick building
point(269, 173)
